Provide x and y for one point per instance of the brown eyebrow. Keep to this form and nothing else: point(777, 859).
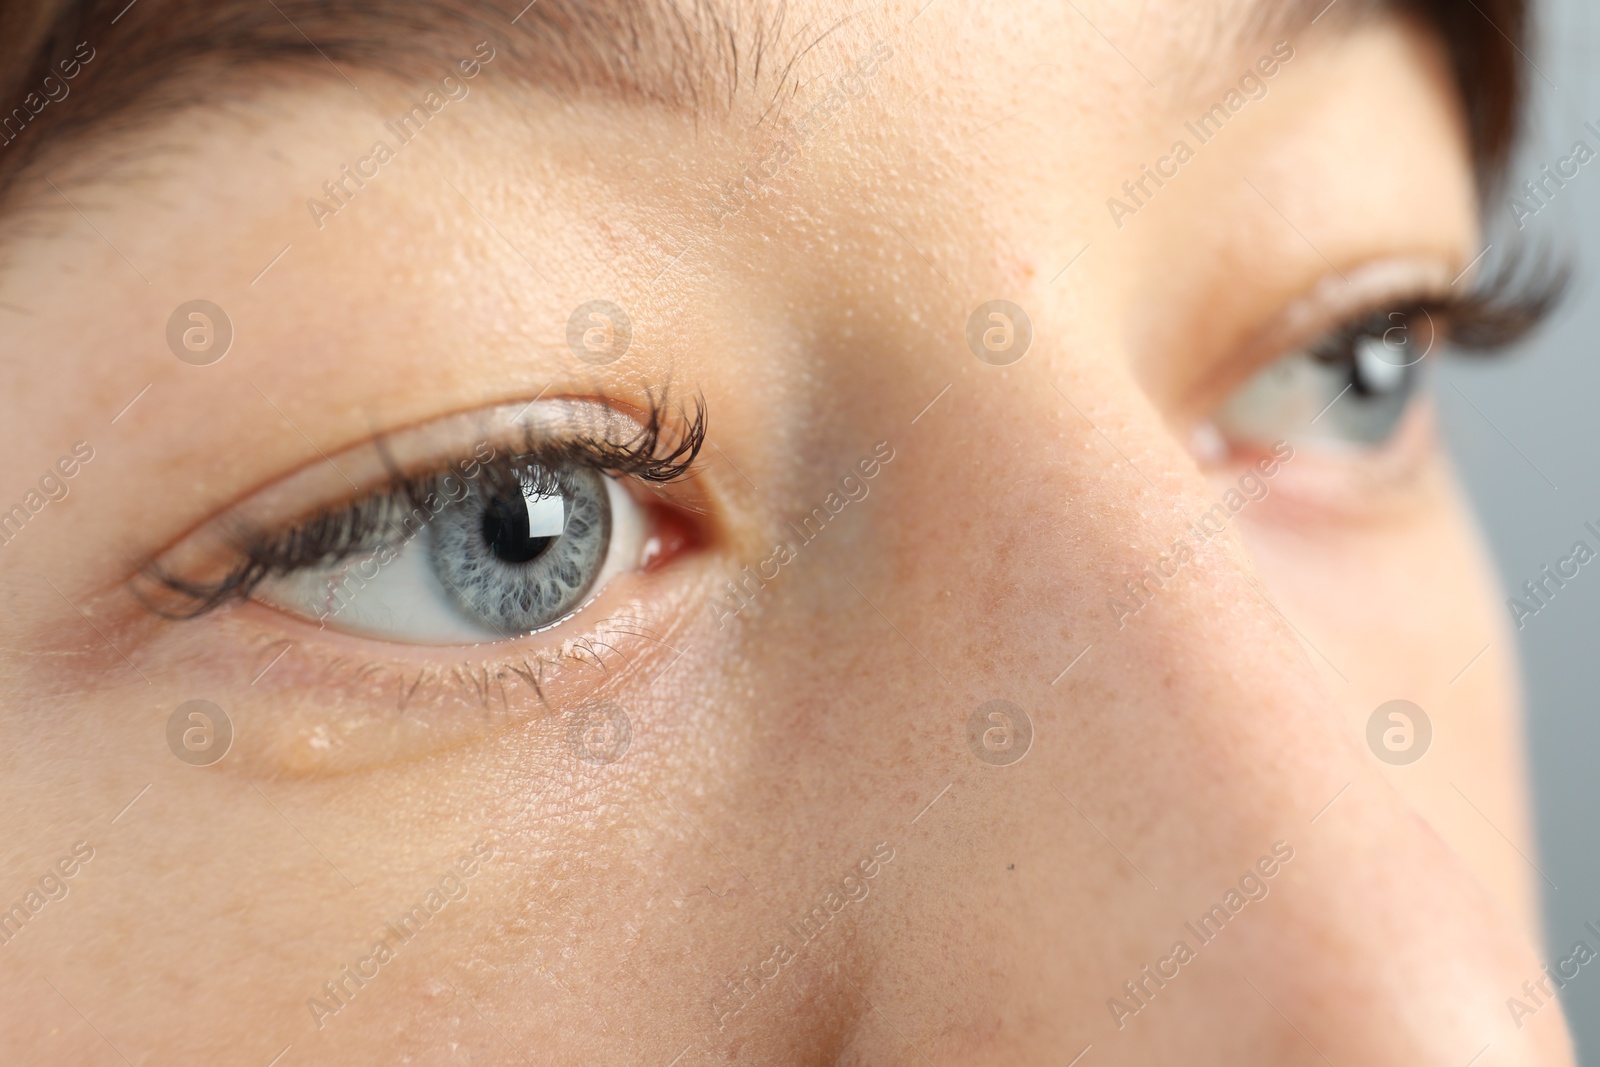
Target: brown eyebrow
point(154, 56)
point(688, 53)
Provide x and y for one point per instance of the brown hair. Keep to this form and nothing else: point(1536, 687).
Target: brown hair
point(1486, 40)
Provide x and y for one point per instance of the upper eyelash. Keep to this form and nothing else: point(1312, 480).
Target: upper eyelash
point(1508, 304)
point(641, 455)
point(335, 533)
point(1500, 310)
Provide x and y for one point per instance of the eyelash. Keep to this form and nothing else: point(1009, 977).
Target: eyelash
point(1500, 310)
point(1512, 302)
point(331, 535)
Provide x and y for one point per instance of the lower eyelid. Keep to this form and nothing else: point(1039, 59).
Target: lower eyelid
point(1318, 489)
point(332, 704)
point(340, 703)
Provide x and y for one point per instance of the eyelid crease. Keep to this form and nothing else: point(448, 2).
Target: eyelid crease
point(655, 454)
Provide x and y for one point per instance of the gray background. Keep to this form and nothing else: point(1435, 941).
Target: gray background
point(1541, 401)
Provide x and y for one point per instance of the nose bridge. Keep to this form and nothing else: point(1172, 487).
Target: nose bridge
point(1383, 948)
point(1292, 891)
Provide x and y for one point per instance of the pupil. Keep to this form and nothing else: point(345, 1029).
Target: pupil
point(505, 531)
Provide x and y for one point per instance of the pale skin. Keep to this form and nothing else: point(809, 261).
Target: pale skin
point(772, 750)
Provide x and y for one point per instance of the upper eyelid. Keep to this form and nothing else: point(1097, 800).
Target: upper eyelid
point(1338, 299)
point(1333, 301)
point(355, 523)
point(1496, 310)
point(1495, 313)
point(615, 436)
point(1501, 306)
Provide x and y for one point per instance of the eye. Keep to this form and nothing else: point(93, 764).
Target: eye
point(516, 549)
point(493, 544)
point(1350, 388)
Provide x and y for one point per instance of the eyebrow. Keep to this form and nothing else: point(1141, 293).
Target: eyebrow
point(162, 56)
point(156, 56)
point(618, 44)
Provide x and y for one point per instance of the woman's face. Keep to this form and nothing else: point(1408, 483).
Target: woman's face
point(989, 418)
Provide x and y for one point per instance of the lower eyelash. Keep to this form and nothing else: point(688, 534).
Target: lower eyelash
point(531, 672)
